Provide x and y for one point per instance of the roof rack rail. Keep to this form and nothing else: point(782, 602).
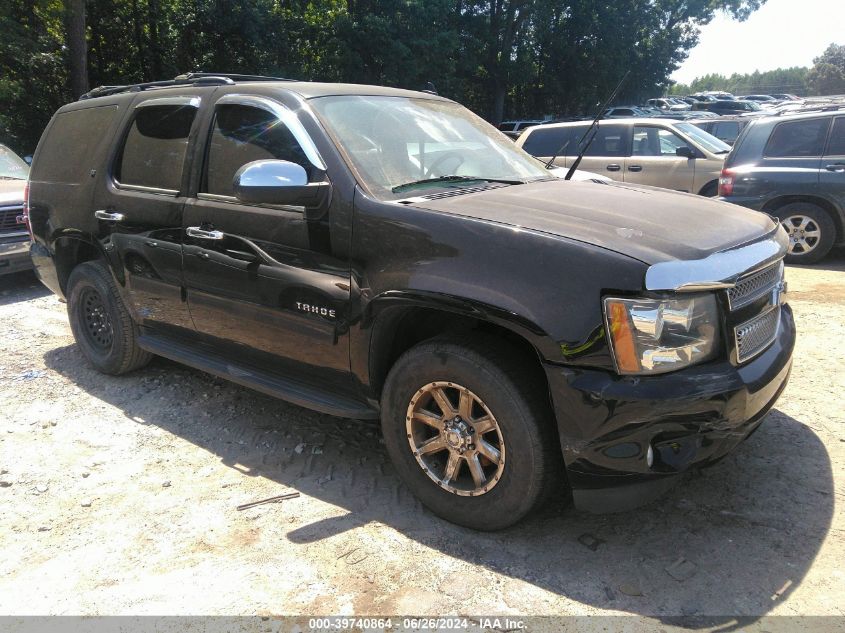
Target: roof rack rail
point(196, 79)
point(822, 107)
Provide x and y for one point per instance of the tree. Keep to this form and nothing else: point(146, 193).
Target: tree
point(827, 76)
point(77, 46)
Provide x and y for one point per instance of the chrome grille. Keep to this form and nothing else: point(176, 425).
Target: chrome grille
point(9, 218)
point(754, 286)
point(756, 334)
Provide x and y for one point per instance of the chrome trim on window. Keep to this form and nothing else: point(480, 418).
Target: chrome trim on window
point(193, 102)
point(286, 116)
point(718, 270)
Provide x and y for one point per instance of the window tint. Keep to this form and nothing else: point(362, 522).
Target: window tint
point(798, 138)
point(836, 147)
point(652, 141)
point(726, 130)
point(71, 144)
point(548, 141)
point(240, 135)
point(154, 150)
point(610, 140)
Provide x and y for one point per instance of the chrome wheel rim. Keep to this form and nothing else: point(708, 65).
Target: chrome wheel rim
point(804, 234)
point(455, 439)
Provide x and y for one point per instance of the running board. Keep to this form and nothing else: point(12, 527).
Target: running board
point(272, 384)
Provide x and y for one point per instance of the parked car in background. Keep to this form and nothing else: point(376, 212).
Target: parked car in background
point(793, 167)
point(659, 152)
point(700, 97)
point(667, 104)
point(517, 126)
point(783, 96)
point(728, 106)
point(618, 112)
point(14, 238)
point(758, 98)
point(725, 128)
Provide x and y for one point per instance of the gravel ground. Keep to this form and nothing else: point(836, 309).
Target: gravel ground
point(119, 496)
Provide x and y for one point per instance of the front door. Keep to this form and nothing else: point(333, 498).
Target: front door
point(653, 160)
point(138, 209)
point(267, 283)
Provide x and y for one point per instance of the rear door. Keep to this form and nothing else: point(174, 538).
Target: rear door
point(138, 207)
point(653, 160)
point(832, 174)
point(606, 154)
point(793, 156)
point(545, 142)
point(264, 282)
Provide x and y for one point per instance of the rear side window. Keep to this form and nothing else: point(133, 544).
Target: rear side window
point(797, 138)
point(242, 134)
point(548, 141)
point(610, 140)
point(726, 130)
point(154, 150)
point(66, 153)
point(836, 147)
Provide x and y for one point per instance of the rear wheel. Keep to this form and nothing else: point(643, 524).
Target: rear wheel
point(469, 432)
point(101, 324)
point(811, 232)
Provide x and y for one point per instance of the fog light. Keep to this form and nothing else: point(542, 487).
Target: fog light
point(649, 456)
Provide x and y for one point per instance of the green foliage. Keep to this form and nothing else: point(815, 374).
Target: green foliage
point(789, 80)
point(513, 58)
point(828, 74)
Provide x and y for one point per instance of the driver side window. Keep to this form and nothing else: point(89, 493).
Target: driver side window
point(241, 134)
point(652, 141)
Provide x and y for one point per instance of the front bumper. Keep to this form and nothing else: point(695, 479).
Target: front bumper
point(14, 253)
point(689, 418)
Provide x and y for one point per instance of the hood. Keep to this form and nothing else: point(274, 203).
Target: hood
point(11, 192)
point(646, 223)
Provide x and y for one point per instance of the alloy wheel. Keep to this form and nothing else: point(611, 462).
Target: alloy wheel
point(804, 234)
point(455, 439)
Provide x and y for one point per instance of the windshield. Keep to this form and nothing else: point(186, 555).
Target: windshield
point(705, 140)
point(393, 143)
point(12, 167)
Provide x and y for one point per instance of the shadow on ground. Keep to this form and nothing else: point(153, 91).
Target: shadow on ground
point(19, 287)
point(724, 541)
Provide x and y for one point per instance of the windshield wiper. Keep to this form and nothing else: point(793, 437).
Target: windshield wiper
point(453, 178)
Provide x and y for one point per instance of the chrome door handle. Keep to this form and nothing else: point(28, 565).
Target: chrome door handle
point(195, 231)
point(109, 216)
point(836, 167)
point(613, 167)
point(635, 168)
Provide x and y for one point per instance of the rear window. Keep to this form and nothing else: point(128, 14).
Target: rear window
point(154, 150)
point(837, 138)
point(67, 151)
point(549, 141)
point(797, 138)
point(610, 140)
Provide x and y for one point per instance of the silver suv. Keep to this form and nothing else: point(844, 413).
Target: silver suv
point(658, 152)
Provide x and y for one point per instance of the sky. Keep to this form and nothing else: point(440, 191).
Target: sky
point(782, 33)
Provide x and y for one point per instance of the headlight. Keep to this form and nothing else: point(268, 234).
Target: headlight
point(653, 336)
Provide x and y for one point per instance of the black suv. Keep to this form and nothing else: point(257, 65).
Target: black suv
point(378, 253)
point(793, 167)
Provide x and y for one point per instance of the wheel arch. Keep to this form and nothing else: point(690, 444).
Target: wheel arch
point(835, 212)
point(714, 184)
point(399, 320)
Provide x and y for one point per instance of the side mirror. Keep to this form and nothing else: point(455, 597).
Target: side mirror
point(685, 151)
point(278, 182)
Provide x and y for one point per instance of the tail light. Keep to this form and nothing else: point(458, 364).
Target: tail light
point(726, 182)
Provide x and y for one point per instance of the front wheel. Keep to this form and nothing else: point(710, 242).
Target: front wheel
point(469, 432)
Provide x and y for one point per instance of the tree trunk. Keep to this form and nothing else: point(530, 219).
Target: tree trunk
point(499, 91)
point(77, 47)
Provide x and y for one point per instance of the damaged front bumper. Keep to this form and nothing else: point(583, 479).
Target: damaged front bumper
point(625, 439)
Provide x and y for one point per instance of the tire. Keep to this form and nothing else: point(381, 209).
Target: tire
point(819, 232)
point(710, 190)
point(101, 324)
point(525, 436)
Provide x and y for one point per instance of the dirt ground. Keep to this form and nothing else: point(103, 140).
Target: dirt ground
point(119, 496)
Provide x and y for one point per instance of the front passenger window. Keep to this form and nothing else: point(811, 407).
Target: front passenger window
point(242, 134)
